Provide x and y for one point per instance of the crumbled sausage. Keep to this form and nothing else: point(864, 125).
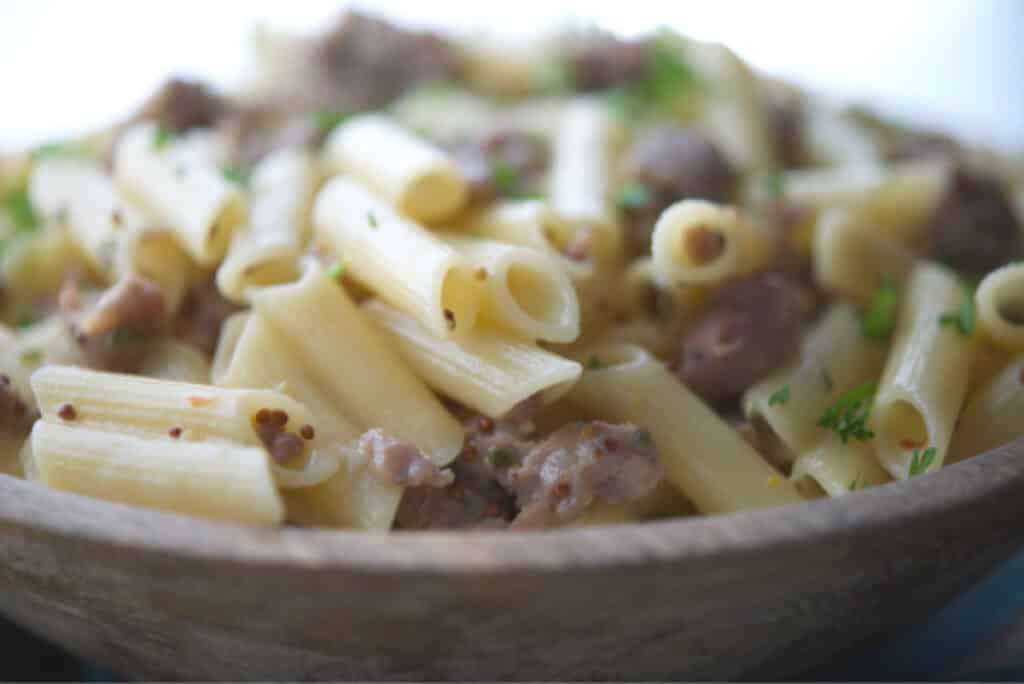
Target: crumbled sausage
point(920, 146)
point(672, 162)
point(282, 445)
point(500, 163)
point(202, 314)
point(751, 328)
point(15, 416)
point(973, 229)
point(604, 61)
point(256, 130)
point(400, 463)
point(369, 61)
point(114, 329)
point(581, 463)
point(179, 105)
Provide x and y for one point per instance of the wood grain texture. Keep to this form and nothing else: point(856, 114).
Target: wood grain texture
point(751, 595)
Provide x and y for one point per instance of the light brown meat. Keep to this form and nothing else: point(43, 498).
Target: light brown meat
point(202, 314)
point(15, 416)
point(579, 464)
point(603, 61)
point(180, 104)
point(752, 327)
point(400, 463)
point(974, 229)
point(114, 329)
point(502, 163)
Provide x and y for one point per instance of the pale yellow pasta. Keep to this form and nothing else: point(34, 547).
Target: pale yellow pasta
point(663, 502)
point(399, 260)
point(580, 179)
point(171, 359)
point(252, 353)
point(850, 259)
point(179, 183)
point(10, 455)
point(838, 140)
point(222, 481)
point(696, 242)
point(994, 414)
point(46, 342)
point(415, 175)
point(834, 358)
point(894, 201)
point(703, 456)
point(486, 370)
point(1000, 302)
point(266, 250)
point(530, 223)
point(524, 290)
point(498, 65)
point(368, 379)
point(39, 265)
point(446, 112)
point(838, 468)
point(925, 380)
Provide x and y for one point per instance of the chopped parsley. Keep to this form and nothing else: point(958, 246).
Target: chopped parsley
point(58, 149)
point(668, 76)
point(19, 206)
point(238, 175)
point(826, 377)
point(161, 136)
point(643, 437)
point(848, 416)
point(31, 357)
point(595, 363)
point(879, 320)
point(371, 219)
point(920, 461)
point(336, 271)
point(774, 185)
point(554, 77)
point(779, 397)
point(326, 120)
point(24, 320)
point(633, 196)
point(963, 319)
point(859, 483)
point(506, 177)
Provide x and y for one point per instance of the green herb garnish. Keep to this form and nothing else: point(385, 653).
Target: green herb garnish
point(920, 461)
point(31, 357)
point(502, 457)
point(237, 175)
point(595, 363)
point(371, 219)
point(161, 136)
point(506, 177)
point(58, 149)
point(24, 320)
point(643, 437)
point(336, 270)
point(879, 320)
point(963, 319)
point(848, 416)
point(554, 77)
point(668, 76)
point(633, 196)
point(779, 397)
point(327, 120)
point(19, 206)
point(774, 185)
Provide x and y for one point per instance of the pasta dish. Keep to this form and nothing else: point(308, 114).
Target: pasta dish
point(406, 281)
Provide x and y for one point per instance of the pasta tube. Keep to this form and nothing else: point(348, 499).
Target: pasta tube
point(1000, 302)
point(994, 415)
point(839, 468)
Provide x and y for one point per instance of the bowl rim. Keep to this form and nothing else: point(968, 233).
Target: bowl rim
point(32, 508)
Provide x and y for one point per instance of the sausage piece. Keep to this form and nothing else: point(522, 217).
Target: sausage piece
point(604, 61)
point(180, 105)
point(974, 229)
point(752, 327)
point(15, 416)
point(501, 163)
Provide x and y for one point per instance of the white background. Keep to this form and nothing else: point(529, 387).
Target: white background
point(67, 65)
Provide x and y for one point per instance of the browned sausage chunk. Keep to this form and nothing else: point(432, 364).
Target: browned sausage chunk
point(672, 163)
point(400, 463)
point(974, 229)
point(15, 417)
point(180, 105)
point(752, 327)
point(504, 163)
point(114, 329)
point(579, 464)
point(369, 61)
point(202, 314)
point(604, 61)
point(786, 127)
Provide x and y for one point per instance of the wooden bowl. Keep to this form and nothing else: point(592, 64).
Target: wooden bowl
point(763, 594)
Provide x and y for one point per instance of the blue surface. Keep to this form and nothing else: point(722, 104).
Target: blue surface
point(933, 651)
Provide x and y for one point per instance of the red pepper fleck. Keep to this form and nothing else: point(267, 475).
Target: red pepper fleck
point(672, 365)
point(279, 418)
point(67, 412)
point(909, 444)
point(307, 432)
point(493, 510)
point(485, 424)
point(175, 432)
point(469, 453)
point(611, 444)
point(455, 491)
point(199, 402)
point(561, 490)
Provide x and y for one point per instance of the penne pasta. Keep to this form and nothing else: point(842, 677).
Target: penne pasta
point(994, 415)
point(411, 173)
point(486, 371)
point(171, 359)
point(1000, 302)
point(925, 379)
point(631, 385)
point(400, 261)
point(838, 468)
point(180, 184)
